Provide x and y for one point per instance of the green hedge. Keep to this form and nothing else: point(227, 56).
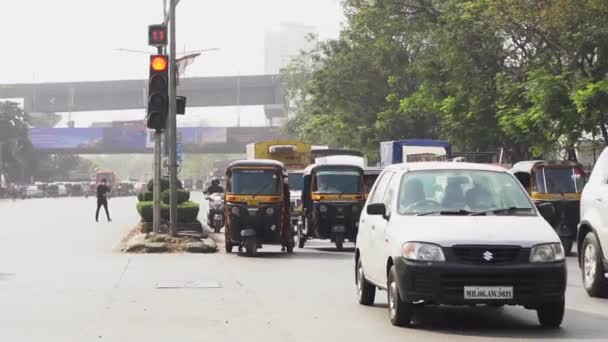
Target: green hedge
point(146, 196)
point(164, 184)
point(182, 196)
point(187, 212)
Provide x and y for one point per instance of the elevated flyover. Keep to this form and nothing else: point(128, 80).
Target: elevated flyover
point(131, 94)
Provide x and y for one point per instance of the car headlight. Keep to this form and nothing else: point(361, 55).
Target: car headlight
point(270, 211)
point(323, 208)
point(421, 251)
point(549, 252)
point(235, 211)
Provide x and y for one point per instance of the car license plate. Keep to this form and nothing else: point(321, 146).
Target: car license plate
point(488, 292)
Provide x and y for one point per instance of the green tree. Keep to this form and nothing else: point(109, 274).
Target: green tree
point(14, 142)
point(529, 76)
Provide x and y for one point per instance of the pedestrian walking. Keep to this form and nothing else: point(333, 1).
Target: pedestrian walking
point(102, 199)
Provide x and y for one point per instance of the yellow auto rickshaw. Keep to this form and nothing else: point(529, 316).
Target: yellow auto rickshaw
point(257, 206)
point(559, 182)
point(333, 197)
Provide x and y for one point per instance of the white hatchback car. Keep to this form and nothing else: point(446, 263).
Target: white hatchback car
point(458, 234)
point(593, 230)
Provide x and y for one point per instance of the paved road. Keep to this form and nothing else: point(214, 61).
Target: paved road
point(61, 280)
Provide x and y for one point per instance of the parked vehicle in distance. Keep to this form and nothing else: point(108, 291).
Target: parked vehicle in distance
point(559, 182)
point(33, 191)
point(593, 230)
point(442, 233)
point(76, 190)
point(62, 190)
point(52, 190)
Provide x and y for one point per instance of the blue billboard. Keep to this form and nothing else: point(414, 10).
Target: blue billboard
point(66, 138)
point(126, 139)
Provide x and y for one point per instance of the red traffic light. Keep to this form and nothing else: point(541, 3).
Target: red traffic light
point(157, 35)
point(158, 63)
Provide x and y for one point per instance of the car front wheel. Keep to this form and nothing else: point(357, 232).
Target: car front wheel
point(366, 292)
point(593, 271)
point(400, 312)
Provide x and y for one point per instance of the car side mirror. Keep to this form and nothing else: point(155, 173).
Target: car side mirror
point(376, 209)
point(547, 210)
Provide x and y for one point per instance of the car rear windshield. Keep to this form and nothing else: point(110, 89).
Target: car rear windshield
point(552, 180)
point(338, 182)
point(467, 191)
point(254, 182)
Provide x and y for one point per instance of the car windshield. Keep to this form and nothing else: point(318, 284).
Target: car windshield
point(462, 192)
point(560, 180)
point(337, 182)
point(254, 182)
point(296, 181)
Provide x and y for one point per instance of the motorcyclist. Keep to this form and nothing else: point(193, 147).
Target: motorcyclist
point(214, 187)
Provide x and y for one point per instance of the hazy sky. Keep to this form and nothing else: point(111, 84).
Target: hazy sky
point(75, 40)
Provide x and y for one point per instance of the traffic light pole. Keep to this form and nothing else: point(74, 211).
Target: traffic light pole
point(172, 131)
point(157, 193)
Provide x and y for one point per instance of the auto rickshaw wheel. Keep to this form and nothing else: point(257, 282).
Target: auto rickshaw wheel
point(251, 247)
point(229, 247)
point(289, 249)
point(567, 242)
point(339, 241)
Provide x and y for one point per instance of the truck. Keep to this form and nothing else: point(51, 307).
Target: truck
point(294, 154)
point(403, 151)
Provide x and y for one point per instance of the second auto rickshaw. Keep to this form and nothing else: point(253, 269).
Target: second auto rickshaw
point(257, 206)
point(559, 183)
point(332, 198)
point(370, 174)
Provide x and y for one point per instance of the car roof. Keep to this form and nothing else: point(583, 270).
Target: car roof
point(433, 165)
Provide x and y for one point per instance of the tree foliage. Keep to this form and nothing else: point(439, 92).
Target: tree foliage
point(526, 75)
point(14, 142)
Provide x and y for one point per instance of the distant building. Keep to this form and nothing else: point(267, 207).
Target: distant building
point(283, 45)
point(280, 48)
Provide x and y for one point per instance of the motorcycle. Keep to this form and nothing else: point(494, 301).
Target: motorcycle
point(215, 215)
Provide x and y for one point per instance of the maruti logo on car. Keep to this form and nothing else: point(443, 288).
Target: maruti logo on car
point(488, 256)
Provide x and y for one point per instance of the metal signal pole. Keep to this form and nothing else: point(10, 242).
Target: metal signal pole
point(172, 131)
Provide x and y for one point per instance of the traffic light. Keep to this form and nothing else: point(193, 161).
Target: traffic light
point(158, 93)
point(157, 35)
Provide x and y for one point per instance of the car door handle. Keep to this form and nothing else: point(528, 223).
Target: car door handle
point(598, 199)
point(373, 227)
